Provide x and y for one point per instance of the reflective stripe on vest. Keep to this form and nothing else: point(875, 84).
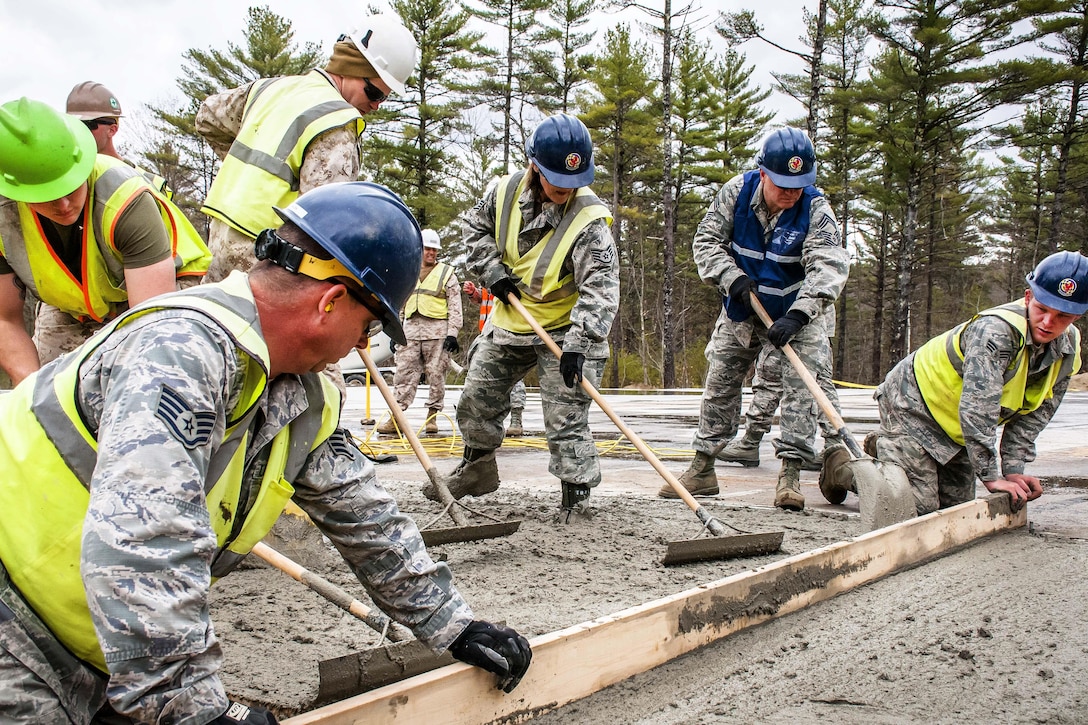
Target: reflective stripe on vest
point(487, 306)
point(48, 456)
point(938, 368)
point(547, 293)
point(261, 169)
point(774, 266)
point(429, 298)
point(100, 294)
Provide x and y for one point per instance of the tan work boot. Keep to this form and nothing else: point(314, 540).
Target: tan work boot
point(835, 479)
point(514, 429)
point(474, 477)
point(744, 451)
point(788, 493)
point(388, 427)
point(699, 479)
point(432, 421)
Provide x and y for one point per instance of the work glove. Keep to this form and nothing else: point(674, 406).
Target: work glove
point(249, 714)
point(503, 287)
point(451, 345)
point(739, 291)
point(570, 367)
point(499, 650)
point(786, 326)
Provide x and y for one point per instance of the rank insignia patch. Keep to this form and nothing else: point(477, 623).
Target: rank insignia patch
point(188, 427)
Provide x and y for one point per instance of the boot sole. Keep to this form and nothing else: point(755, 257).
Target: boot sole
point(746, 464)
point(670, 493)
point(790, 505)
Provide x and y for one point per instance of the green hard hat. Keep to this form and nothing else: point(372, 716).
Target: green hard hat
point(44, 154)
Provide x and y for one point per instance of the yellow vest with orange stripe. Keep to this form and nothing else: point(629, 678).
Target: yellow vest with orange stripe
point(100, 293)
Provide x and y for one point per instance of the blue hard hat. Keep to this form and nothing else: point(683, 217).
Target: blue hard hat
point(1061, 282)
point(789, 158)
point(563, 151)
point(369, 230)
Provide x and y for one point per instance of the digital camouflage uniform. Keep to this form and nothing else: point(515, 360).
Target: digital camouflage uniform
point(333, 156)
point(734, 345)
point(147, 513)
point(942, 472)
point(502, 357)
point(767, 389)
point(423, 352)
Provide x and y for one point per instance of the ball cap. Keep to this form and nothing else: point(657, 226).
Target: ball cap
point(90, 100)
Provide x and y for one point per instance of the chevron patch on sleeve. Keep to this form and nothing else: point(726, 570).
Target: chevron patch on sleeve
point(188, 427)
point(342, 445)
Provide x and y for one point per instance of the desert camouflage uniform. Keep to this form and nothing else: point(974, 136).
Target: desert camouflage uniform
point(157, 636)
point(332, 156)
point(424, 354)
point(734, 345)
point(56, 332)
point(941, 471)
point(502, 357)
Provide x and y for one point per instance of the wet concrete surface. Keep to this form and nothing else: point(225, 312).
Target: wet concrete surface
point(666, 422)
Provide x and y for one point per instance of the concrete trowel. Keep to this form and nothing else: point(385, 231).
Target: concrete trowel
point(884, 493)
point(341, 677)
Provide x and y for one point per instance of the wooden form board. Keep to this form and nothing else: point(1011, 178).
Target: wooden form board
point(575, 662)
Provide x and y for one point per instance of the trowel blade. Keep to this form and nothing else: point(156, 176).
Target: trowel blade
point(343, 677)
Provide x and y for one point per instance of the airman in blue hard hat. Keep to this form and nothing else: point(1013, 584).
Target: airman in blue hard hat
point(542, 236)
point(1007, 367)
point(168, 445)
point(771, 233)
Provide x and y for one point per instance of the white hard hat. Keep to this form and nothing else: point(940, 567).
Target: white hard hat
point(389, 46)
point(430, 239)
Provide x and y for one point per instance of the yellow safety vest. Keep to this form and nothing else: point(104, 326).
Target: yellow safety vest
point(429, 299)
point(281, 117)
point(938, 368)
point(48, 456)
point(547, 293)
point(101, 293)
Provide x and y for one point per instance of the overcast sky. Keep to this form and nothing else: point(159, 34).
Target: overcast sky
point(134, 47)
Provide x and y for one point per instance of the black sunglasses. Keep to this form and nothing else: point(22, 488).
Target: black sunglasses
point(373, 92)
point(93, 125)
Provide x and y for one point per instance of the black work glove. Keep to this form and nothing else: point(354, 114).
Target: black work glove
point(451, 345)
point(786, 326)
point(503, 287)
point(570, 367)
point(499, 650)
point(739, 291)
point(249, 714)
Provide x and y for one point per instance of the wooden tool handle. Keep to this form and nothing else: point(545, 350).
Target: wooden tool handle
point(715, 526)
point(375, 620)
point(402, 423)
point(810, 382)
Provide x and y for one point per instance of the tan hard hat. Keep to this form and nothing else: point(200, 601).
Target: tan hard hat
point(90, 100)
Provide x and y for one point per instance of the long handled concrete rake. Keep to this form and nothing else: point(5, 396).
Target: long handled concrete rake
point(718, 546)
point(433, 537)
